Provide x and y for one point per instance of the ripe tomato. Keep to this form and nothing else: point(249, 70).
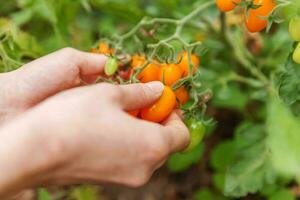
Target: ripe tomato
point(94, 50)
point(227, 5)
point(137, 61)
point(162, 108)
point(133, 113)
point(296, 54)
point(149, 73)
point(255, 21)
point(184, 63)
point(197, 130)
point(294, 28)
point(111, 66)
point(182, 95)
point(104, 49)
point(169, 74)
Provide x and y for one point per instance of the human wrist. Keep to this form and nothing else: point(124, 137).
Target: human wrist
point(27, 155)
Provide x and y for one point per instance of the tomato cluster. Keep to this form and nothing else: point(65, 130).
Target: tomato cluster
point(167, 73)
point(294, 29)
point(257, 12)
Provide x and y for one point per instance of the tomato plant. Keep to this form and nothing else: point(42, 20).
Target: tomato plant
point(197, 131)
point(239, 91)
point(256, 19)
point(170, 73)
point(182, 95)
point(294, 28)
point(227, 5)
point(184, 62)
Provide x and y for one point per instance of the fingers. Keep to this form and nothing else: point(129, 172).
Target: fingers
point(177, 133)
point(90, 63)
point(135, 96)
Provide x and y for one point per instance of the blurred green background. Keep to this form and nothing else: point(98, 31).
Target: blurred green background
point(235, 157)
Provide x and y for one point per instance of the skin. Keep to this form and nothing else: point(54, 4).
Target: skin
point(70, 132)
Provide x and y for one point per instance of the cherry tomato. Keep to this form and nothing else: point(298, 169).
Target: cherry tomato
point(111, 66)
point(104, 49)
point(137, 61)
point(184, 62)
point(296, 54)
point(149, 73)
point(169, 74)
point(133, 113)
point(94, 50)
point(255, 21)
point(182, 95)
point(197, 130)
point(159, 111)
point(227, 5)
point(294, 28)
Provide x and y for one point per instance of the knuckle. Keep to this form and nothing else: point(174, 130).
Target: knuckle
point(68, 51)
point(138, 180)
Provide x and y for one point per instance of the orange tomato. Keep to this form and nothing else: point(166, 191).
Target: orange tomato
point(169, 74)
point(255, 21)
point(94, 50)
point(138, 61)
point(184, 63)
point(104, 49)
point(149, 73)
point(182, 95)
point(159, 111)
point(133, 113)
point(227, 5)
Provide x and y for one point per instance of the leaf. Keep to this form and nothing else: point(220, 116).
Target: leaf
point(206, 194)
point(43, 194)
point(252, 168)
point(230, 96)
point(282, 194)
point(222, 156)
point(85, 192)
point(289, 83)
point(181, 161)
point(283, 138)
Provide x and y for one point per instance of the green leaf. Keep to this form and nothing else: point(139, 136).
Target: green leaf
point(179, 162)
point(219, 181)
point(289, 83)
point(85, 192)
point(230, 96)
point(252, 169)
point(206, 194)
point(282, 194)
point(283, 138)
point(43, 194)
point(223, 155)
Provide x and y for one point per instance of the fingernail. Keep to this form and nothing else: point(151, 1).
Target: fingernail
point(156, 87)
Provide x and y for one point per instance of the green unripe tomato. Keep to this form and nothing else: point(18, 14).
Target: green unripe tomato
point(296, 54)
point(111, 66)
point(197, 130)
point(294, 28)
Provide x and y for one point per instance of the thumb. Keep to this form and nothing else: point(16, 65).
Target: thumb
point(136, 96)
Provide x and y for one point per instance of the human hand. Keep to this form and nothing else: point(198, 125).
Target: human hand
point(44, 77)
point(85, 135)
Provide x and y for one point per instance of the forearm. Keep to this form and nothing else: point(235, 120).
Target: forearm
point(22, 156)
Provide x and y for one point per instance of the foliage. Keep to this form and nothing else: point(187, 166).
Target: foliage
point(251, 76)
